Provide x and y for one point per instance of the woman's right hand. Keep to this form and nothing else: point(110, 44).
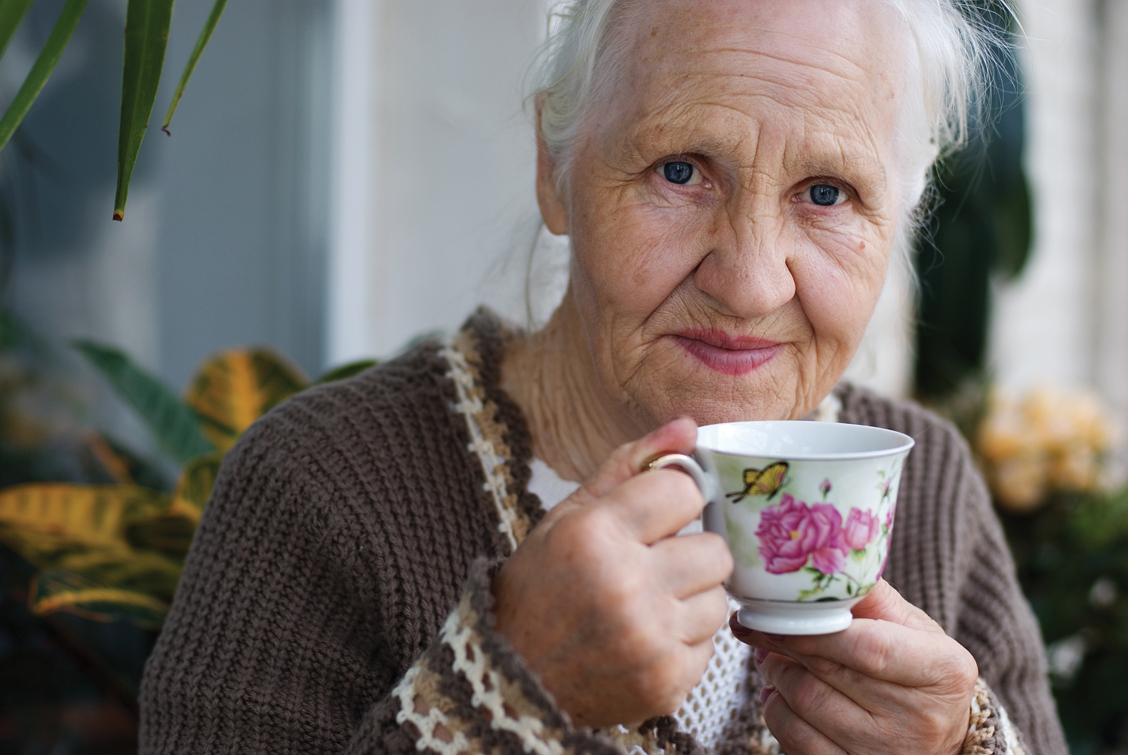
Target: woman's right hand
point(614, 614)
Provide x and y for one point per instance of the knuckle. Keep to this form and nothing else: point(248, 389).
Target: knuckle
point(932, 725)
point(878, 653)
point(717, 552)
point(663, 687)
point(718, 608)
point(823, 666)
point(684, 488)
point(968, 669)
point(619, 594)
point(769, 668)
point(808, 696)
point(642, 642)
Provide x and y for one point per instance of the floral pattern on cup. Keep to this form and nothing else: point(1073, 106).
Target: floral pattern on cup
point(812, 537)
point(792, 534)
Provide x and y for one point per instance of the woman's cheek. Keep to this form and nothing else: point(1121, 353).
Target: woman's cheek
point(854, 256)
point(640, 258)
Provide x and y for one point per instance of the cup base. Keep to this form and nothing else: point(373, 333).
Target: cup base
point(779, 617)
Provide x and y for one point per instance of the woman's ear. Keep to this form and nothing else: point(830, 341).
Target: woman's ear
point(552, 207)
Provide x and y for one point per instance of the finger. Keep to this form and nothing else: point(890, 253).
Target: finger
point(878, 650)
point(654, 505)
point(885, 603)
point(676, 436)
point(795, 736)
point(698, 662)
point(692, 563)
point(701, 615)
point(923, 720)
point(829, 711)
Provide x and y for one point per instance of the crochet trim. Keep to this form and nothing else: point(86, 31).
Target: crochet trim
point(987, 730)
point(459, 669)
point(487, 440)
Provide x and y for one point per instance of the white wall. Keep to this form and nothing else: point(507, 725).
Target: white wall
point(1065, 321)
point(1043, 324)
point(435, 160)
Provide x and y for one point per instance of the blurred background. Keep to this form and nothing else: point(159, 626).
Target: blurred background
point(344, 176)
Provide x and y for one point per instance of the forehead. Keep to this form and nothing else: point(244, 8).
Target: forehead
point(725, 70)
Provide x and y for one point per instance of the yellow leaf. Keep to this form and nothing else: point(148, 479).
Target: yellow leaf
point(141, 591)
point(75, 600)
point(195, 486)
point(236, 387)
point(47, 522)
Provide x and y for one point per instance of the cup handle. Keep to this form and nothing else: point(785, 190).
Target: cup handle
point(690, 466)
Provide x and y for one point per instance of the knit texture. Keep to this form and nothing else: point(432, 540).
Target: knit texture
point(336, 598)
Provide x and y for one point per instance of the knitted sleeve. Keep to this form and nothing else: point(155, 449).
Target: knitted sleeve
point(949, 556)
point(282, 639)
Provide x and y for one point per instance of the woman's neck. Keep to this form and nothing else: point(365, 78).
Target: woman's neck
point(574, 423)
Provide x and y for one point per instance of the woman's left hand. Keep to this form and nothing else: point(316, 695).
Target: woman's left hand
point(892, 681)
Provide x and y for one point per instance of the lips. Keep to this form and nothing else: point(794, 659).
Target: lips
point(726, 353)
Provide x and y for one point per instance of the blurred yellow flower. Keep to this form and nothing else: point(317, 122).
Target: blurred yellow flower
point(1048, 441)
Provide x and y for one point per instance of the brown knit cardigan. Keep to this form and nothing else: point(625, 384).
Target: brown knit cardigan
point(336, 598)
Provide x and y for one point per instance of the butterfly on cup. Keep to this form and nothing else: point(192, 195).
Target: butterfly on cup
point(766, 481)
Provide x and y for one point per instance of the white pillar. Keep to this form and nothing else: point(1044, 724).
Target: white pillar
point(349, 278)
point(1043, 324)
point(1111, 325)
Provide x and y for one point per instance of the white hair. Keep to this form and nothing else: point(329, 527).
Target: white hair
point(948, 79)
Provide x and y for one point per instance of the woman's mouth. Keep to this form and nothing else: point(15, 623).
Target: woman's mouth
point(725, 353)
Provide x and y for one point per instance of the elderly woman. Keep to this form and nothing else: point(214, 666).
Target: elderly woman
point(456, 552)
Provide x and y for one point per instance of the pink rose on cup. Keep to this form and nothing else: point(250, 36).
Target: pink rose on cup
point(791, 533)
point(861, 528)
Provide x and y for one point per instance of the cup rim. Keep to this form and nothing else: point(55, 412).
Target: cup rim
point(894, 442)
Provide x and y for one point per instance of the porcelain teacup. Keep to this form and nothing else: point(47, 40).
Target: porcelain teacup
point(806, 509)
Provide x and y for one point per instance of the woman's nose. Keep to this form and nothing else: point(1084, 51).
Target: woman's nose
point(747, 272)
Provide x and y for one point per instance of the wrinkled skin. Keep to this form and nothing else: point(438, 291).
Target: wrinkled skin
point(857, 691)
point(672, 284)
point(614, 615)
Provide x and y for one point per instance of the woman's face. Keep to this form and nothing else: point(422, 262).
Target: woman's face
point(732, 205)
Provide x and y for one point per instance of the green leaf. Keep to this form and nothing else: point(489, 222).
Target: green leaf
point(17, 335)
point(173, 423)
point(104, 552)
point(201, 43)
point(11, 13)
point(346, 371)
point(146, 37)
point(50, 525)
point(137, 587)
point(41, 70)
point(234, 388)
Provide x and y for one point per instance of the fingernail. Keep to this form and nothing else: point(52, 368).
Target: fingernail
point(760, 654)
point(765, 693)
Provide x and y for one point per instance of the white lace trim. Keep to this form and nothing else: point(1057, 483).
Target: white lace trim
point(469, 406)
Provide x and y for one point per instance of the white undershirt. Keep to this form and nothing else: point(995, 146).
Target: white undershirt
point(714, 702)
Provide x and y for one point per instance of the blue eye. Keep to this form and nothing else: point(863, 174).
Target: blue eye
point(678, 172)
point(825, 195)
